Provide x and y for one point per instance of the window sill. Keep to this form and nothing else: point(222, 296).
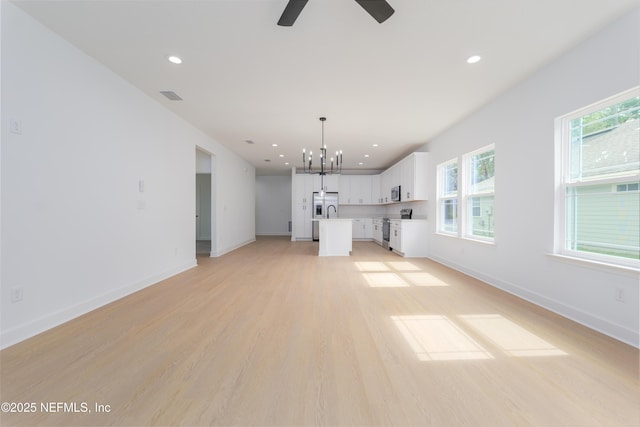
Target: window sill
point(478, 240)
point(442, 233)
point(466, 238)
point(597, 265)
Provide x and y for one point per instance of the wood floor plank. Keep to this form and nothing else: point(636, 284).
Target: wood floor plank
point(273, 335)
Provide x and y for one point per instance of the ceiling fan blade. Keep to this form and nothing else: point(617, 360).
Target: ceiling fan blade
point(291, 12)
point(379, 9)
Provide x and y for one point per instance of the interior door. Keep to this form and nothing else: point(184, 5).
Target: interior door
point(203, 206)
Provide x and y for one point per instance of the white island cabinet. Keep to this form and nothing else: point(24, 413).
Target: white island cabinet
point(335, 237)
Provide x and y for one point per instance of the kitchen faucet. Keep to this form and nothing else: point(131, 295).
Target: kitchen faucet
point(334, 209)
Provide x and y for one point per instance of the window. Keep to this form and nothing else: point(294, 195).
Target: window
point(448, 197)
point(476, 193)
point(479, 193)
point(599, 173)
point(627, 187)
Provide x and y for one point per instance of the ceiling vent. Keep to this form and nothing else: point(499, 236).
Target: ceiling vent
point(171, 95)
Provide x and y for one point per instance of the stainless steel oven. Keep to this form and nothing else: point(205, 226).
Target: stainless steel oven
point(386, 232)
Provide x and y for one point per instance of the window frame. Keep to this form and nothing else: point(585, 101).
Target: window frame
point(443, 197)
point(564, 182)
point(466, 212)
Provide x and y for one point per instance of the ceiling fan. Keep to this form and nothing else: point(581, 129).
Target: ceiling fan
point(379, 9)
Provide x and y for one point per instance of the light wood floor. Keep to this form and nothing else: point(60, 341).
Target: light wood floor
point(271, 334)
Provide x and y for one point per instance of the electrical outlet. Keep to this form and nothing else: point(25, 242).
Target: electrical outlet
point(16, 294)
point(15, 126)
point(619, 295)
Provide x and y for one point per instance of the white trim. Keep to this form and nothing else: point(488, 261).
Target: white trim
point(604, 103)
point(44, 323)
point(445, 234)
point(480, 239)
point(629, 271)
point(232, 248)
point(597, 323)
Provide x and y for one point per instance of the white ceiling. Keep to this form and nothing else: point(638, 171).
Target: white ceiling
point(397, 84)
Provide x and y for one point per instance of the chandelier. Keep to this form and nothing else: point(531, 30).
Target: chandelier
point(323, 169)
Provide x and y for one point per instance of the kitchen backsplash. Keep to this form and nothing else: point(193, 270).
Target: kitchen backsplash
point(384, 211)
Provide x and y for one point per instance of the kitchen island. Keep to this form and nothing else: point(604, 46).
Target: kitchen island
point(335, 237)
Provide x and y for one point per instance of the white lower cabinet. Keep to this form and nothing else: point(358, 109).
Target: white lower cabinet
point(408, 237)
point(395, 236)
point(362, 228)
point(377, 230)
point(302, 221)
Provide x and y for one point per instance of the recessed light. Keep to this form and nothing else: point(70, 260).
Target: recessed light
point(366, 155)
point(174, 59)
point(286, 163)
point(274, 145)
point(375, 145)
point(360, 164)
point(473, 59)
point(281, 155)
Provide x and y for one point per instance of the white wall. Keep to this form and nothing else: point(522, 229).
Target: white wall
point(76, 231)
point(273, 205)
point(521, 124)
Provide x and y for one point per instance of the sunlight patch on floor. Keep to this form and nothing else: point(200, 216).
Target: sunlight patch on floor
point(403, 266)
point(511, 338)
point(438, 338)
point(423, 279)
point(371, 266)
point(384, 280)
point(396, 274)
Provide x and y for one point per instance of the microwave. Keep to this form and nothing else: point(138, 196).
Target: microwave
point(395, 193)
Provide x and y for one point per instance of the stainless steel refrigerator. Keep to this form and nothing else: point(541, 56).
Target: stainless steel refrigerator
point(325, 206)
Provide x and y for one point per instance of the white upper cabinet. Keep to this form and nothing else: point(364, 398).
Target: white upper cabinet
point(389, 179)
point(356, 190)
point(375, 190)
point(304, 188)
point(410, 174)
point(413, 177)
point(332, 182)
point(361, 189)
point(326, 183)
point(385, 187)
point(344, 194)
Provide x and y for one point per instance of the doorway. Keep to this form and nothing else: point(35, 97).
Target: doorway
point(204, 203)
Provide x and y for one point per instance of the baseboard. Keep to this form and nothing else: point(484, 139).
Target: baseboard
point(274, 234)
point(232, 248)
point(41, 324)
point(577, 315)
